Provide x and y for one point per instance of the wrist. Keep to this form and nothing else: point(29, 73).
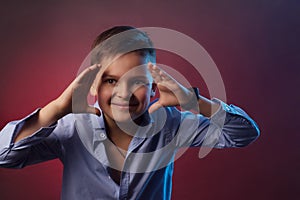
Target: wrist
point(193, 99)
point(58, 108)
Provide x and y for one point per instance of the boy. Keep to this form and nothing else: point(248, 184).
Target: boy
point(124, 146)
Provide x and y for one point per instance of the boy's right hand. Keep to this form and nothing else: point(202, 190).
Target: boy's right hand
point(74, 98)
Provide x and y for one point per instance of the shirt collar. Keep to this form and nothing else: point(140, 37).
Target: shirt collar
point(99, 130)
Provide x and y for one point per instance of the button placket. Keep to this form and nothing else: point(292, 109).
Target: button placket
point(102, 135)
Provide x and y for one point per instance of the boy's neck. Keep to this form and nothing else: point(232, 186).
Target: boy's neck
point(121, 137)
point(121, 133)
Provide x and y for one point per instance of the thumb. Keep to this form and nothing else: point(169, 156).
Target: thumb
point(155, 106)
point(93, 110)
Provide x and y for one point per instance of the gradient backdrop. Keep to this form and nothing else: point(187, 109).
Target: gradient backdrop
point(255, 44)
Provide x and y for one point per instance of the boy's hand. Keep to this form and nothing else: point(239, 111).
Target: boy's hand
point(171, 92)
point(74, 98)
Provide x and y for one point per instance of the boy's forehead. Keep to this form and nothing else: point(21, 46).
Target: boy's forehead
point(133, 71)
point(129, 64)
point(117, 58)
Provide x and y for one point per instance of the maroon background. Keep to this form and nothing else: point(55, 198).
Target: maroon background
point(255, 44)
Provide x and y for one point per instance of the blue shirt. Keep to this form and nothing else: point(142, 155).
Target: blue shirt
point(81, 143)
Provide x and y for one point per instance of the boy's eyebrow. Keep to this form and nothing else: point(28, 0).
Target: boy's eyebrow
point(145, 77)
point(108, 75)
point(105, 75)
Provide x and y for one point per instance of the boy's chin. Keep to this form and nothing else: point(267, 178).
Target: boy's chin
point(123, 119)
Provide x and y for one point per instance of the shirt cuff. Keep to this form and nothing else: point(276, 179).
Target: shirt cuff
point(10, 132)
point(220, 114)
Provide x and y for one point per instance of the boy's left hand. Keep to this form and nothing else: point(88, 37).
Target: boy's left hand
point(171, 92)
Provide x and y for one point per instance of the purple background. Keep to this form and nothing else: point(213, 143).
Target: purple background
point(255, 44)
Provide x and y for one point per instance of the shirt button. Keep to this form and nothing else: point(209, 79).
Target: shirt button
point(102, 135)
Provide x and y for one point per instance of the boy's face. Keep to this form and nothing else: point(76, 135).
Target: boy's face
point(125, 88)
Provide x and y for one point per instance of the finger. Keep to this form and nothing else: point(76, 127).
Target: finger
point(155, 73)
point(156, 69)
point(165, 76)
point(88, 75)
point(150, 65)
point(87, 70)
point(155, 106)
point(85, 80)
point(162, 87)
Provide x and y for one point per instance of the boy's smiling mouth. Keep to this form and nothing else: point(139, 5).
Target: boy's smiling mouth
point(123, 105)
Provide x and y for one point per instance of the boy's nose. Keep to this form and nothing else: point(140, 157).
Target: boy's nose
point(122, 90)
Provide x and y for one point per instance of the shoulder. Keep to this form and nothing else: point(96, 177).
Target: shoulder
point(78, 126)
point(65, 127)
point(168, 118)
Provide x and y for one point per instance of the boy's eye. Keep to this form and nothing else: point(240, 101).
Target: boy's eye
point(110, 81)
point(140, 82)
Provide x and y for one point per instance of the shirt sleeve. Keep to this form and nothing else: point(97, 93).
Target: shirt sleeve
point(230, 126)
point(38, 147)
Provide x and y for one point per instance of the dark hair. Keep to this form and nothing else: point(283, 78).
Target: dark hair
point(120, 40)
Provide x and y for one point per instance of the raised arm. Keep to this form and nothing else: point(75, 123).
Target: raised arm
point(224, 125)
point(173, 93)
point(64, 104)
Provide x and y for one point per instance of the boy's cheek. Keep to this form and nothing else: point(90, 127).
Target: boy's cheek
point(145, 97)
point(104, 92)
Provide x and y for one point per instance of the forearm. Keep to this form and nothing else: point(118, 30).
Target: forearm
point(228, 126)
point(44, 118)
point(207, 107)
point(63, 104)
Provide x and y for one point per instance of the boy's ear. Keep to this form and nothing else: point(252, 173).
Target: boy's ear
point(153, 89)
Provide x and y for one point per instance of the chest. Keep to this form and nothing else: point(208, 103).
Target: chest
point(116, 155)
